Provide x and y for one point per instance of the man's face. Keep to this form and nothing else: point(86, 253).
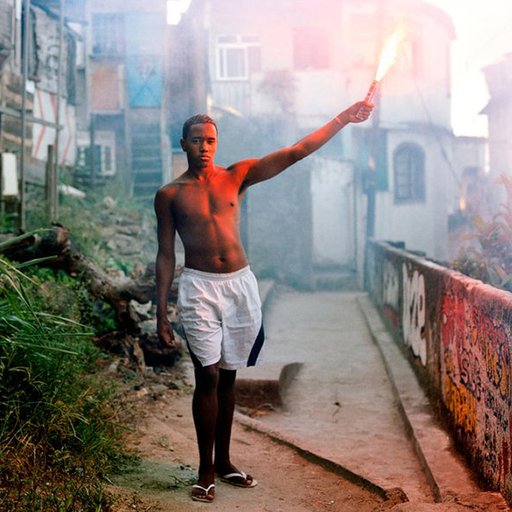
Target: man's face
point(200, 144)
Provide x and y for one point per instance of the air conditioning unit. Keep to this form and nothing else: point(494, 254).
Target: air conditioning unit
point(9, 175)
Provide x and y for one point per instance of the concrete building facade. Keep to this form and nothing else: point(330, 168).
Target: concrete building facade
point(499, 115)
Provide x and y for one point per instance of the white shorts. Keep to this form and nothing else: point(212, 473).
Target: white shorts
point(221, 317)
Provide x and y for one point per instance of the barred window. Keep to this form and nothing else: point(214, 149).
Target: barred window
point(108, 34)
point(238, 56)
point(409, 173)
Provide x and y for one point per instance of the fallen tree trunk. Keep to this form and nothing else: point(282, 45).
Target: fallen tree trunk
point(57, 250)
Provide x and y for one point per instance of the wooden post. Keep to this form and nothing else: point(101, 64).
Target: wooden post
point(50, 185)
point(92, 159)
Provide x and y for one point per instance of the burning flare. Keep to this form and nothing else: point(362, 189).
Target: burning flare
point(389, 52)
point(387, 59)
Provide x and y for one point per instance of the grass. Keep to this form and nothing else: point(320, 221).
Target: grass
point(88, 218)
point(59, 431)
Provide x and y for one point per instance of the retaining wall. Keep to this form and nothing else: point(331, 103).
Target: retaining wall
point(456, 331)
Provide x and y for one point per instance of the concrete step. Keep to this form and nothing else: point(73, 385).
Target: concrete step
point(264, 388)
point(335, 280)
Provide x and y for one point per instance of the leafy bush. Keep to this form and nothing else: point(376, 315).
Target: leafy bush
point(489, 258)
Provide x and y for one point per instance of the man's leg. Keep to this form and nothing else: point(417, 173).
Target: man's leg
point(225, 410)
point(204, 410)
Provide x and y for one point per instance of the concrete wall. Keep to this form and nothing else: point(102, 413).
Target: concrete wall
point(276, 218)
point(333, 210)
point(279, 231)
point(456, 331)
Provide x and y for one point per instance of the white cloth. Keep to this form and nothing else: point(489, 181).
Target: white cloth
point(221, 317)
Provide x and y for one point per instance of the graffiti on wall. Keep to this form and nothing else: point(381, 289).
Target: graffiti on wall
point(390, 291)
point(468, 326)
point(476, 379)
point(413, 313)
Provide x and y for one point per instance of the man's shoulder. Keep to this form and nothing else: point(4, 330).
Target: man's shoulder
point(171, 187)
point(241, 168)
point(166, 189)
point(166, 193)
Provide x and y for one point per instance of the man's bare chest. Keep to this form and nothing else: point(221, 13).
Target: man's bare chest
point(196, 204)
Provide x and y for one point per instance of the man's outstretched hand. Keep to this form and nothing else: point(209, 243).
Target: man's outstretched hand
point(359, 112)
point(165, 334)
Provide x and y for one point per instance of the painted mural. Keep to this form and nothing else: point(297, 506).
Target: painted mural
point(391, 291)
point(466, 355)
point(413, 312)
point(476, 376)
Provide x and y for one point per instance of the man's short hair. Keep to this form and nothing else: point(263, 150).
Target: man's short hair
point(197, 119)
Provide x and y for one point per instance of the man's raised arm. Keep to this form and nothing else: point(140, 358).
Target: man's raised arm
point(274, 163)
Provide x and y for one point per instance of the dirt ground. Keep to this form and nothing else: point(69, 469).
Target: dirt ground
point(162, 433)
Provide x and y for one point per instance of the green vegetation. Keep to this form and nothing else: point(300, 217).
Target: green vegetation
point(58, 429)
point(60, 432)
point(489, 256)
point(90, 218)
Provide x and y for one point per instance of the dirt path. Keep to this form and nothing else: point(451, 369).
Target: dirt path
point(163, 435)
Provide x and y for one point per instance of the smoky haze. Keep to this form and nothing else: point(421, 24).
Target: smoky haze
point(271, 72)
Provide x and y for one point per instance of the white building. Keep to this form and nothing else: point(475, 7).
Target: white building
point(499, 114)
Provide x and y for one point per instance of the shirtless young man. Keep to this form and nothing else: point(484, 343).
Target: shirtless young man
point(218, 297)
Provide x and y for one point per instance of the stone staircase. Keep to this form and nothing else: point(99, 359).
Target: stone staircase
point(335, 278)
point(146, 153)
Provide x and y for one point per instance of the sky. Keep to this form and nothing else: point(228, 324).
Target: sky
point(483, 37)
point(175, 8)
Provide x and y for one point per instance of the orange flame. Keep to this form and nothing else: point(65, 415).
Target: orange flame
point(389, 52)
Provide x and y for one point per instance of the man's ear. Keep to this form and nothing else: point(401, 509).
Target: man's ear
point(182, 144)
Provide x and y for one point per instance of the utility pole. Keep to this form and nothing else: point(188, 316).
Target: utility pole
point(26, 56)
point(54, 195)
point(371, 184)
point(373, 143)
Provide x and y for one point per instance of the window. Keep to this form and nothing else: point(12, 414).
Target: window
point(108, 34)
point(310, 48)
point(104, 153)
point(409, 173)
point(238, 56)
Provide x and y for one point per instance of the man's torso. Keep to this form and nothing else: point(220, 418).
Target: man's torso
point(206, 214)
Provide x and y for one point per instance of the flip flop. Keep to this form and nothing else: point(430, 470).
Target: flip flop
point(234, 479)
point(207, 498)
